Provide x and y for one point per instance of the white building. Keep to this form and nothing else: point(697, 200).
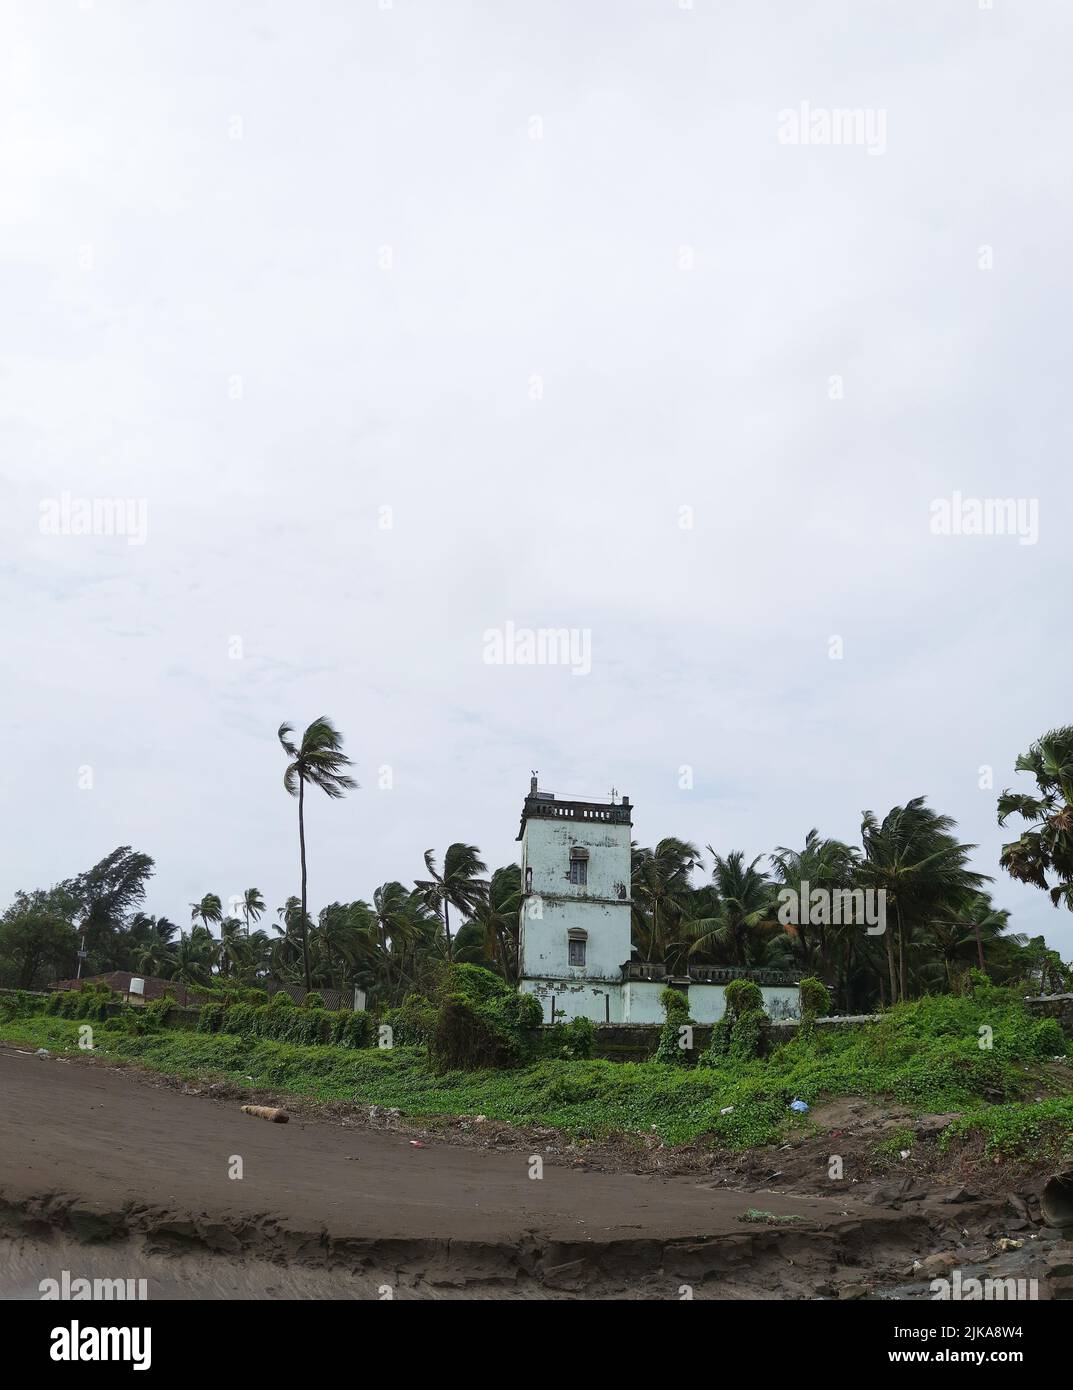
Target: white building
point(575, 935)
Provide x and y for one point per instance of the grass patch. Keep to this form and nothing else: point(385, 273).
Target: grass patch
point(925, 1055)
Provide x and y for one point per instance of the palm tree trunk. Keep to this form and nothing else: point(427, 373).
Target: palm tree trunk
point(890, 968)
point(302, 844)
point(447, 928)
point(901, 953)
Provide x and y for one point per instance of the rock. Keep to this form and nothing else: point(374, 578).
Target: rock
point(42, 1052)
point(961, 1194)
point(848, 1291)
point(1006, 1243)
point(938, 1264)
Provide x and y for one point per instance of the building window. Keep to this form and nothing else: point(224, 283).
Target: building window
point(575, 951)
point(579, 867)
point(528, 880)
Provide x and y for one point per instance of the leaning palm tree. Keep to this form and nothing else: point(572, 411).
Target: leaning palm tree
point(745, 901)
point(659, 891)
point(232, 945)
point(913, 858)
point(459, 886)
point(1047, 846)
point(253, 906)
point(318, 759)
point(209, 909)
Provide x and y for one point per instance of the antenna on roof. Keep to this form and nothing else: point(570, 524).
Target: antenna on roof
point(614, 796)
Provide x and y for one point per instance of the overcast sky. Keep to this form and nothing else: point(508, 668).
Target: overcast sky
point(402, 323)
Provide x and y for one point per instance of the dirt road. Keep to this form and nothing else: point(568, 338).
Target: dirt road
point(88, 1153)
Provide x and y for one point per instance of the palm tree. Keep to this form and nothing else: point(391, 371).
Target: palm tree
point(209, 909)
point(318, 759)
point(914, 859)
point(232, 944)
point(408, 939)
point(253, 906)
point(744, 900)
point(193, 957)
point(659, 890)
point(827, 864)
point(1047, 847)
point(960, 929)
point(496, 921)
point(459, 886)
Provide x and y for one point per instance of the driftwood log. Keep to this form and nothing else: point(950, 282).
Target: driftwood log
point(267, 1112)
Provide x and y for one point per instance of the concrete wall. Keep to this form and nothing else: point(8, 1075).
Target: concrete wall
point(707, 1003)
point(637, 1002)
point(576, 999)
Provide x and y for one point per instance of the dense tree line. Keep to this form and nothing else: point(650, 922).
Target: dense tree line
point(688, 908)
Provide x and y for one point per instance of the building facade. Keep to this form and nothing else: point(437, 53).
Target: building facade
point(575, 938)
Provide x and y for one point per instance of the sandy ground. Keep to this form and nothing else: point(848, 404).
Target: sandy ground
point(88, 1153)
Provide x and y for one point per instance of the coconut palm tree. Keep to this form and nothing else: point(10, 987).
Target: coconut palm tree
point(745, 902)
point(1047, 847)
point(209, 909)
point(913, 858)
point(410, 941)
point(956, 935)
point(659, 892)
point(827, 864)
point(253, 907)
point(232, 943)
point(495, 923)
point(459, 886)
point(194, 957)
point(318, 759)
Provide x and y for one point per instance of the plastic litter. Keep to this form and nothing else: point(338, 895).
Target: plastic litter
point(799, 1106)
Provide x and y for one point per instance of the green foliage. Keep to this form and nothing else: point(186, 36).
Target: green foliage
point(673, 1003)
point(210, 1017)
point(313, 1000)
point(575, 1040)
point(413, 1023)
point(743, 996)
point(739, 1035)
point(924, 1055)
point(281, 1000)
point(311, 1027)
point(20, 1003)
point(676, 1030)
point(815, 1003)
point(481, 1021)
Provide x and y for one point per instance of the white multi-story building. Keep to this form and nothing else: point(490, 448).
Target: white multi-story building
point(575, 938)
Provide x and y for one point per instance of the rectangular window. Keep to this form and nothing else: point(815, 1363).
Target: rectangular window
point(579, 867)
point(576, 952)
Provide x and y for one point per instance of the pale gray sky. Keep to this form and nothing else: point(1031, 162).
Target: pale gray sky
point(535, 276)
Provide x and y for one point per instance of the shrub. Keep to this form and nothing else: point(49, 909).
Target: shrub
point(673, 1033)
point(313, 1000)
point(743, 995)
point(281, 1000)
point(210, 1018)
point(481, 1021)
point(351, 1028)
point(739, 1034)
point(815, 1003)
point(575, 1040)
point(413, 1023)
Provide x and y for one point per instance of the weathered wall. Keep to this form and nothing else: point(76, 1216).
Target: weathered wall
point(554, 905)
point(707, 1003)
